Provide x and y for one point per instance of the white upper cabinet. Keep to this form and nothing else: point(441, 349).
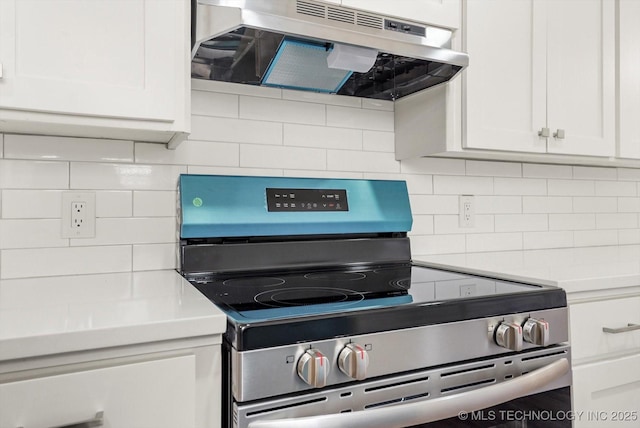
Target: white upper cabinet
point(506, 78)
point(629, 78)
point(95, 67)
point(444, 13)
point(543, 80)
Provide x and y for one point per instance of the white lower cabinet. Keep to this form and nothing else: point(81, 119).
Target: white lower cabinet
point(128, 388)
point(159, 394)
point(607, 393)
point(605, 348)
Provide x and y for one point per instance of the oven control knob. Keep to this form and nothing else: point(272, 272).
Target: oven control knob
point(536, 331)
point(353, 361)
point(313, 368)
point(509, 335)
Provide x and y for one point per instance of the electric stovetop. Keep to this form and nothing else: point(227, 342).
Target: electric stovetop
point(278, 308)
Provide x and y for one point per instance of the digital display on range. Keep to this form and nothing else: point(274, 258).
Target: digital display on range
point(299, 200)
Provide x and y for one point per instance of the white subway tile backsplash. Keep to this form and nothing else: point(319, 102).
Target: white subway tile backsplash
point(282, 111)
point(26, 263)
point(546, 204)
point(219, 170)
point(214, 104)
point(234, 88)
point(629, 174)
point(31, 204)
point(617, 221)
point(374, 104)
point(494, 169)
point(422, 225)
point(154, 256)
point(494, 242)
point(590, 238)
point(520, 186)
point(419, 184)
point(594, 173)
point(629, 237)
point(242, 130)
point(114, 203)
point(629, 205)
point(346, 117)
point(533, 170)
point(154, 203)
point(521, 222)
point(571, 188)
point(450, 224)
point(433, 166)
point(322, 137)
point(325, 174)
point(616, 188)
point(434, 204)
point(572, 221)
point(259, 156)
point(459, 185)
point(193, 153)
point(539, 240)
point(67, 148)
point(132, 230)
point(378, 141)
point(204, 128)
point(317, 97)
point(113, 176)
point(31, 233)
point(437, 244)
point(498, 204)
point(32, 174)
point(347, 160)
point(595, 205)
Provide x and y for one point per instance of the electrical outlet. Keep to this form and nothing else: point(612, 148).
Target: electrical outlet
point(78, 214)
point(467, 212)
point(467, 290)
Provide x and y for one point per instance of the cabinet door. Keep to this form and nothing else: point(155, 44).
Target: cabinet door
point(629, 78)
point(607, 394)
point(505, 83)
point(588, 339)
point(90, 57)
point(581, 76)
point(159, 394)
point(444, 13)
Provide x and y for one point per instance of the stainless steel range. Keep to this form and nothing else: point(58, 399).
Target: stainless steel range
point(330, 323)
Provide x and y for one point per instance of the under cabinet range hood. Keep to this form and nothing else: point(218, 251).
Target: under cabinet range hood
point(321, 47)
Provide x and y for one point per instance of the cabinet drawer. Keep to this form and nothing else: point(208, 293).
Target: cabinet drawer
point(588, 339)
point(607, 393)
point(159, 394)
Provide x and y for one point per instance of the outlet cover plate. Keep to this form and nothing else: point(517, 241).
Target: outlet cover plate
point(88, 227)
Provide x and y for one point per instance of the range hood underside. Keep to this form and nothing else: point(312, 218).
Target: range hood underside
point(237, 45)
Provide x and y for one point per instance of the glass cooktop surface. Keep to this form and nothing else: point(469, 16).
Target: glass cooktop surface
point(297, 293)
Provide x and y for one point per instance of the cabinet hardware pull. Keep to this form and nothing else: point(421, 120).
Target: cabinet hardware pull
point(629, 327)
point(559, 134)
point(97, 421)
point(544, 132)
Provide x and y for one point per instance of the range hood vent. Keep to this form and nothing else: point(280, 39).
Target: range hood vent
point(243, 41)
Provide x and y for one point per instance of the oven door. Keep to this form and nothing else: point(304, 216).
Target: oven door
point(513, 391)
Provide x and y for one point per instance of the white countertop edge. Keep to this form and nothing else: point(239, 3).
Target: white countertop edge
point(87, 340)
point(576, 270)
point(127, 309)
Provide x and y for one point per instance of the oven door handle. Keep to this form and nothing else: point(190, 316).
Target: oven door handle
point(437, 409)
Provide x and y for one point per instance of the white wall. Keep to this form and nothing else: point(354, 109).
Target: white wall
point(260, 131)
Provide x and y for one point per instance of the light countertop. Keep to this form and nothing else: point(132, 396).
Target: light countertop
point(46, 316)
point(574, 269)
